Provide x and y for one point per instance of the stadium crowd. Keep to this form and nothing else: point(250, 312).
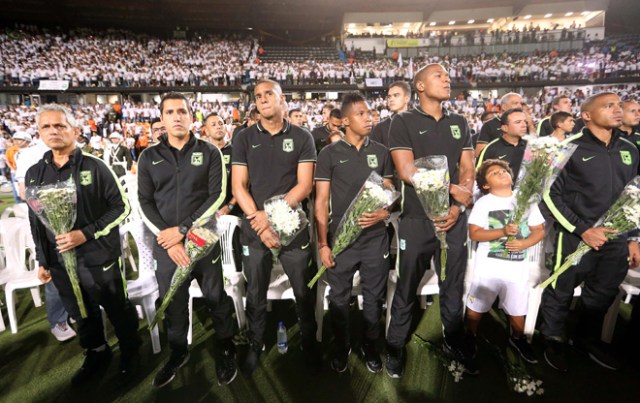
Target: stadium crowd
point(116, 58)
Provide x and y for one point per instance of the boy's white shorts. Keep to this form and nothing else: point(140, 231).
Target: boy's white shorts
point(487, 286)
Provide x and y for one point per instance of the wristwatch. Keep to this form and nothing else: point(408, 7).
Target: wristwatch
point(461, 207)
point(183, 229)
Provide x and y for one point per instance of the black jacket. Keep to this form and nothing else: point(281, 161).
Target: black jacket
point(591, 181)
point(116, 156)
point(179, 187)
point(102, 206)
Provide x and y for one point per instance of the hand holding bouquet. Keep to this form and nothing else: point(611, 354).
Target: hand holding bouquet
point(371, 197)
point(543, 160)
point(286, 222)
point(55, 206)
point(431, 182)
point(623, 216)
point(198, 243)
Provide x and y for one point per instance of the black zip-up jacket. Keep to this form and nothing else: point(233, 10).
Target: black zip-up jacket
point(102, 206)
point(178, 187)
point(591, 181)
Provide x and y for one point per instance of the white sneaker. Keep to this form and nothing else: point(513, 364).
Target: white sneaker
point(63, 332)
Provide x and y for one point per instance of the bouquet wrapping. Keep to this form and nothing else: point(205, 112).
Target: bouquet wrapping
point(623, 216)
point(543, 160)
point(431, 182)
point(56, 207)
point(286, 222)
point(372, 197)
point(198, 243)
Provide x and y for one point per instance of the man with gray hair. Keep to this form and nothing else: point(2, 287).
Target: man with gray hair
point(101, 206)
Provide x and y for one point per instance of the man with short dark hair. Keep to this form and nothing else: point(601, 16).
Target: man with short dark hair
point(101, 206)
point(491, 129)
point(603, 163)
point(562, 123)
point(295, 117)
point(424, 131)
point(320, 134)
point(510, 146)
point(630, 122)
point(157, 130)
point(252, 118)
point(398, 98)
point(559, 103)
point(343, 168)
point(273, 158)
point(181, 181)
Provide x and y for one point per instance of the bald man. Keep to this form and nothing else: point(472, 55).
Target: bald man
point(423, 131)
point(596, 174)
point(491, 130)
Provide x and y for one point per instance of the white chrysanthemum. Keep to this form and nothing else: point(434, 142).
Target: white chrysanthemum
point(429, 180)
point(376, 192)
point(283, 218)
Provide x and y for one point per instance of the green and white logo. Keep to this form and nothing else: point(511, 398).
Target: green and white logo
point(227, 159)
point(372, 160)
point(85, 178)
point(287, 145)
point(626, 157)
point(455, 132)
point(197, 159)
point(403, 244)
point(245, 250)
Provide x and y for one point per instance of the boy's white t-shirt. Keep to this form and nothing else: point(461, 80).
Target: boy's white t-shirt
point(494, 212)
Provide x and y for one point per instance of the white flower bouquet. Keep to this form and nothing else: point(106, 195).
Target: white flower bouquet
point(543, 160)
point(431, 183)
point(198, 243)
point(286, 222)
point(55, 206)
point(623, 216)
point(372, 197)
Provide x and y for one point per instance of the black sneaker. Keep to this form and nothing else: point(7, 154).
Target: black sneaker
point(371, 357)
point(599, 352)
point(94, 361)
point(226, 367)
point(340, 360)
point(555, 354)
point(463, 350)
point(521, 345)
point(252, 359)
point(395, 362)
point(168, 372)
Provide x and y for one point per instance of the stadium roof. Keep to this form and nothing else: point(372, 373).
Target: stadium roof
point(287, 18)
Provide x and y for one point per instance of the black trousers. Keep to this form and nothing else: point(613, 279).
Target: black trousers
point(369, 254)
point(208, 273)
point(601, 271)
point(418, 244)
point(257, 260)
point(104, 286)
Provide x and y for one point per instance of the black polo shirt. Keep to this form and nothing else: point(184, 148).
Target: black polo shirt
point(490, 131)
point(634, 137)
point(544, 127)
point(380, 132)
point(226, 159)
point(419, 132)
point(272, 160)
point(577, 128)
point(500, 149)
point(320, 137)
point(347, 168)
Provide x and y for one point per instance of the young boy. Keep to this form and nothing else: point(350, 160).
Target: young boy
point(500, 266)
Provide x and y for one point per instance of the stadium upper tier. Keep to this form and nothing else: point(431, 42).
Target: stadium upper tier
point(112, 58)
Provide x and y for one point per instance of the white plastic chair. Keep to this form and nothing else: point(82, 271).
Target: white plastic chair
point(629, 287)
point(234, 280)
point(144, 290)
point(18, 244)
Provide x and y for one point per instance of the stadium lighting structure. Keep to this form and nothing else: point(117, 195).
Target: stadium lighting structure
point(585, 13)
point(527, 17)
point(548, 15)
point(352, 25)
point(490, 20)
point(407, 24)
point(452, 22)
point(569, 14)
point(471, 21)
point(432, 24)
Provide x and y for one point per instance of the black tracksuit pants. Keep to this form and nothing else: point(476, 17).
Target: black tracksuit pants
point(104, 286)
point(208, 273)
point(417, 246)
point(601, 271)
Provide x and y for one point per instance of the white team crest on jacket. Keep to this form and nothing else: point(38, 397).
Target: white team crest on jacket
point(197, 159)
point(85, 178)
